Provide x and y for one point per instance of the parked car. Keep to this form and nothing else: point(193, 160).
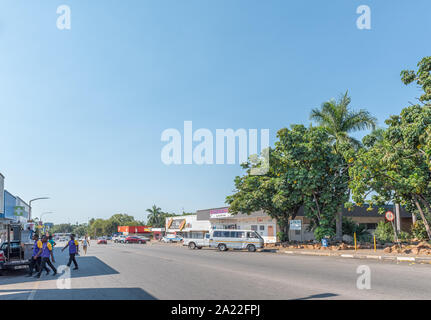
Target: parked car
point(170, 239)
point(144, 238)
point(102, 241)
point(119, 238)
point(196, 240)
point(134, 240)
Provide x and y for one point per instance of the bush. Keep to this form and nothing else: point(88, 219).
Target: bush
point(282, 236)
point(384, 232)
point(404, 236)
point(418, 230)
point(350, 227)
point(321, 232)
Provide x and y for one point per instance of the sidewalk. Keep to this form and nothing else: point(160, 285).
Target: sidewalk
point(352, 254)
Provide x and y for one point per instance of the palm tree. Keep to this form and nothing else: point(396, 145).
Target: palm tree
point(339, 120)
point(156, 217)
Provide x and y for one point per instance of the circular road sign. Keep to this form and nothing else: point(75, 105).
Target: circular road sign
point(390, 216)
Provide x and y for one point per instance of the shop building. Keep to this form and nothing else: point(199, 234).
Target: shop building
point(135, 230)
point(220, 218)
point(187, 225)
point(158, 233)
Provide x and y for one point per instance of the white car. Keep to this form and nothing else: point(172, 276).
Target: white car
point(171, 239)
point(120, 238)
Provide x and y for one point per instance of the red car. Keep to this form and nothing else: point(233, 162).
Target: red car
point(134, 240)
point(102, 241)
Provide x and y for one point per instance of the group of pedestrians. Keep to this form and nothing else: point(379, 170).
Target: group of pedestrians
point(43, 254)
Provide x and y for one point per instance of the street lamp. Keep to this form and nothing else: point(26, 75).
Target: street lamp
point(29, 205)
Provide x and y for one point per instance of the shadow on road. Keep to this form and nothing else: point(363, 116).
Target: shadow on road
point(79, 294)
point(319, 296)
point(89, 266)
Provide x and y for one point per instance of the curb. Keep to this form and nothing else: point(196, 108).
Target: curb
point(359, 256)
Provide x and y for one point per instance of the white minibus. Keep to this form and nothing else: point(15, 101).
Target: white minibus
point(235, 239)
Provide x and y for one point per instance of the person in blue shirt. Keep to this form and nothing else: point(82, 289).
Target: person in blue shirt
point(36, 262)
point(73, 250)
point(45, 252)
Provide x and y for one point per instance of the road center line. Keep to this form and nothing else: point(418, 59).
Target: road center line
point(33, 292)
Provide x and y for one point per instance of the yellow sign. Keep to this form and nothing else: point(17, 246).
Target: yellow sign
point(170, 222)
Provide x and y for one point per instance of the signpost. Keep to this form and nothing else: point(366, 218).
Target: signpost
point(390, 216)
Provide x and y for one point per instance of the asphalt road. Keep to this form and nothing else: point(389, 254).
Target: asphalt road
point(163, 271)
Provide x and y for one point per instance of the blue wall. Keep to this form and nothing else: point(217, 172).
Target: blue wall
point(9, 205)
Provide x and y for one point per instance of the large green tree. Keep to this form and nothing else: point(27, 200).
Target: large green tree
point(304, 171)
point(339, 120)
point(271, 193)
point(396, 167)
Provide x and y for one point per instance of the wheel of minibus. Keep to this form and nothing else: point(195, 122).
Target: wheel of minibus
point(251, 248)
point(192, 245)
point(222, 247)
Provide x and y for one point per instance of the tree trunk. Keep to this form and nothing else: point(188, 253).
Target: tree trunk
point(427, 227)
point(339, 226)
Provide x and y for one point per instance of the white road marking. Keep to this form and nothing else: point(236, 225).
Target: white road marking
point(33, 292)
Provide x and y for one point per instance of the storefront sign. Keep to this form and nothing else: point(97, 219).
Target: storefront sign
point(177, 224)
point(295, 224)
point(219, 213)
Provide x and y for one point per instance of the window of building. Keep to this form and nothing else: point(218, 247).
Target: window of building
point(254, 227)
point(371, 225)
point(262, 228)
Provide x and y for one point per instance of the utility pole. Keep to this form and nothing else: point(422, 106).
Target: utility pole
point(398, 217)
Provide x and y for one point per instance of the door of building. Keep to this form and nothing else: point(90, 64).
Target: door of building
point(270, 231)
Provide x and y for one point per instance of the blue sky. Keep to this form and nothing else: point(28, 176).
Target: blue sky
point(82, 110)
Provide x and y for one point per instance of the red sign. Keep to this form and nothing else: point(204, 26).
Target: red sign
point(134, 229)
point(390, 216)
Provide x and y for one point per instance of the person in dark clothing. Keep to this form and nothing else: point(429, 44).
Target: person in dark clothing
point(45, 252)
point(73, 250)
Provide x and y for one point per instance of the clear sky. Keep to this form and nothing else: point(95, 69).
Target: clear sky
point(82, 110)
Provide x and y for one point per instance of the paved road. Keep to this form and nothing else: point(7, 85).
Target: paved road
point(162, 271)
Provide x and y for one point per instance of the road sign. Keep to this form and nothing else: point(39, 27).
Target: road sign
point(389, 215)
point(295, 224)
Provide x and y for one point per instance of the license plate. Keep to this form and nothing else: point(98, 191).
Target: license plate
point(20, 267)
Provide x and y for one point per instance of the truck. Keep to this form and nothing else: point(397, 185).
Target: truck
point(15, 254)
